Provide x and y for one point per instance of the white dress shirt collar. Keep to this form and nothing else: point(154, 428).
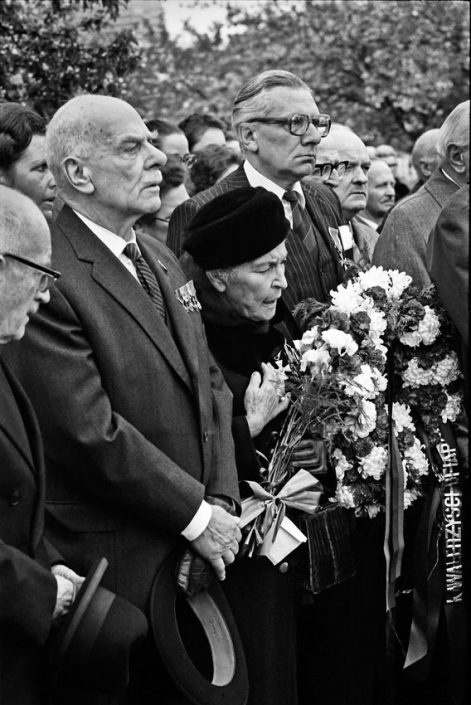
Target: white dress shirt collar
point(255, 178)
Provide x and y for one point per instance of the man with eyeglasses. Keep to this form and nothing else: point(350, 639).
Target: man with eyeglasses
point(279, 128)
point(135, 416)
point(35, 587)
point(343, 163)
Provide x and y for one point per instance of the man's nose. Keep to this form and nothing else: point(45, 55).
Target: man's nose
point(158, 157)
point(312, 135)
point(359, 175)
point(43, 296)
point(51, 182)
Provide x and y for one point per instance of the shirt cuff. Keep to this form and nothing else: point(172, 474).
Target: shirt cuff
point(199, 522)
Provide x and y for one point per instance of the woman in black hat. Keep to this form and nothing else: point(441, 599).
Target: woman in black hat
point(236, 257)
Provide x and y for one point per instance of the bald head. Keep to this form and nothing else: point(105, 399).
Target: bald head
point(24, 233)
point(381, 192)
point(453, 143)
point(424, 156)
point(80, 128)
point(342, 144)
point(23, 228)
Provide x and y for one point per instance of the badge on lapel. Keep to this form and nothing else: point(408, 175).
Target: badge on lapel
point(186, 295)
point(343, 240)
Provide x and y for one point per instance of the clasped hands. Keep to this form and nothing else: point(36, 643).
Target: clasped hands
point(219, 542)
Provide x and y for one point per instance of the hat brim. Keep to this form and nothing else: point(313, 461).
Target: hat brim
point(229, 682)
point(69, 626)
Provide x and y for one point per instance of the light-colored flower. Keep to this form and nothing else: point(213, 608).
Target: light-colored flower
point(317, 360)
point(347, 298)
point(402, 417)
point(340, 341)
point(375, 463)
point(375, 276)
point(426, 332)
point(399, 281)
point(452, 408)
point(344, 496)
point(341, 464)
point(363, 420)
point(362, 384)
point(416, 458)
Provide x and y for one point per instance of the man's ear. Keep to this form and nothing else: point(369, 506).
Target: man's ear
point(217, 280)
point(455, 155)
point(248, 137)
point(425, 167)
point(78, 175)
point(4, 178)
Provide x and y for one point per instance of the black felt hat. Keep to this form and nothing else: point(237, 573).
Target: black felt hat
point(209, 667)
point(236, 227)
point(91, 649)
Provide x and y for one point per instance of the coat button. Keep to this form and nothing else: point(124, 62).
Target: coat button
point(14, 498)
point(205, 437)
point(283, 567)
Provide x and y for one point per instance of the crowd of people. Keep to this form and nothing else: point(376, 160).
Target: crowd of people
point(149, 278)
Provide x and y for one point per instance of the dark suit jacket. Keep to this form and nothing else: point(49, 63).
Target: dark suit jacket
point(403, 239)
point(305, 276)
point(135, 419)
point(448, 265)
point(27, 587)
point(364, 240)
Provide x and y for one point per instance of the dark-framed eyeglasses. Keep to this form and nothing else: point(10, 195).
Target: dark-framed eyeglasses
point(325, 170)
point(188, 160)
point(299, 124)
point(48, 276)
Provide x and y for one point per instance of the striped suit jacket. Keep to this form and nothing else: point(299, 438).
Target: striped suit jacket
point(307, 276)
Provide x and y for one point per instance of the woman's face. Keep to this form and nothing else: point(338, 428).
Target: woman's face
point(30, 175)
point(253, 288)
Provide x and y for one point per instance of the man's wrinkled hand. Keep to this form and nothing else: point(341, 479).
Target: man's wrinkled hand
point(219, 542)
point(68, 583)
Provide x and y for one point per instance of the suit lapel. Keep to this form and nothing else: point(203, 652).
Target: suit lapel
point(112, 276)
point(440, 188)
point(11, 419)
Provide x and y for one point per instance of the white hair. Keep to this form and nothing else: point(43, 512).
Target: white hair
point(455, 129)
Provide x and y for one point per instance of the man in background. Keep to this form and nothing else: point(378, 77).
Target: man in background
point(425, 157)
point(380, 195)
point(279, 128)
point(403, 239)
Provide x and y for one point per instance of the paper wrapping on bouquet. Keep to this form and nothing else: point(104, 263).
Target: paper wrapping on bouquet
point(279, 535)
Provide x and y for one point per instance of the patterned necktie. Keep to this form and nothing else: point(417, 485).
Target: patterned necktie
point(302, 225)
point(146, 277)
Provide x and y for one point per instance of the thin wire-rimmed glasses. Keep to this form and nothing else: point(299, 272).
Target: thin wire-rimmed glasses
point(325, 170)
point(188, 160)
point(298, 124)
point(48, 275)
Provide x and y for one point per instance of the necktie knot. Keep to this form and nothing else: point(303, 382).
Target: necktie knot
point(146, 277)
point(132, 251)
point(292, 197)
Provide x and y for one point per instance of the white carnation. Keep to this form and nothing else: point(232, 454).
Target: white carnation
point(317, 360)
point(340, 341)
point(426, 331)
point(375, 276)
point(452, 408)
point(402, 417)
point(347, 298)
point(415, 457)
point(344, 496)
point(374, 464)
point(341, 464)
point(399, 283)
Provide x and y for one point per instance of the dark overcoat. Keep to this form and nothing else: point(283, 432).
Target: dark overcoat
point(27, 587)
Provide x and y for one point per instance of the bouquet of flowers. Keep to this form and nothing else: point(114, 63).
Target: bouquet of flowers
point(376, 360)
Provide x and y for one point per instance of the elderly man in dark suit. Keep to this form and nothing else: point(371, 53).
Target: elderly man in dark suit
point(403, 240)
point(135, 417)
point(279, 127)
point(32, 593)
point(343, 163)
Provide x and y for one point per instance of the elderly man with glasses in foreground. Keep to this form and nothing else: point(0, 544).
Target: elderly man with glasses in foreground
point(35, 588)
point(279, 128)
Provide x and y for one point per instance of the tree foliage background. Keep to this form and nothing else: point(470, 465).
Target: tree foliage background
point(388, 69)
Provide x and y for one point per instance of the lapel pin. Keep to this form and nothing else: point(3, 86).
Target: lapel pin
point(163, 266)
